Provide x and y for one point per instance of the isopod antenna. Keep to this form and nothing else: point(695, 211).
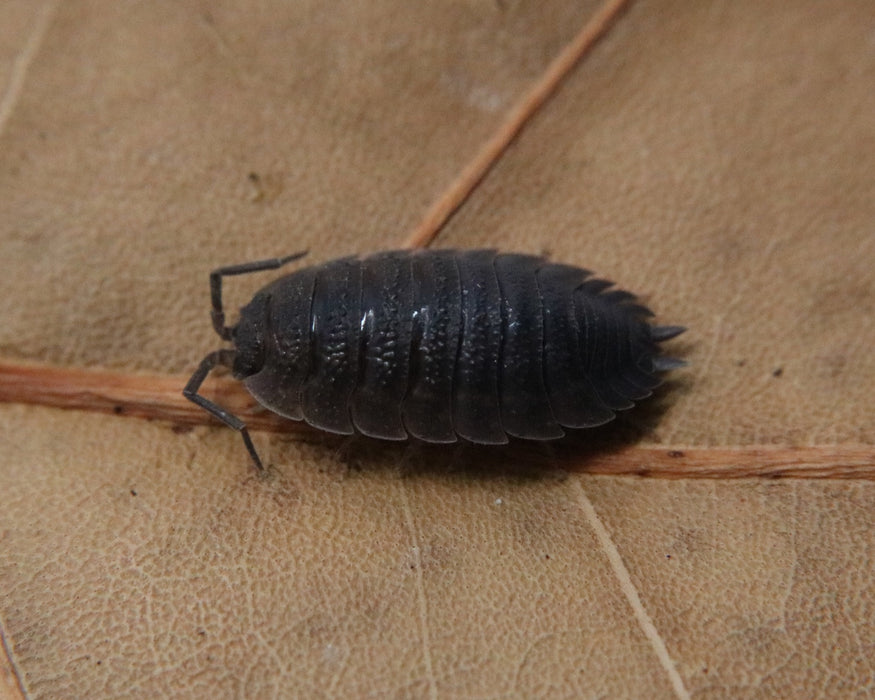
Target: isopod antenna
point(219, 358)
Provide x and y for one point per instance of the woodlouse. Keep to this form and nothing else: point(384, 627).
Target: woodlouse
point(438, 345)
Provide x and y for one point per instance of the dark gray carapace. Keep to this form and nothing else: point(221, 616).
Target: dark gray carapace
point(438, 345)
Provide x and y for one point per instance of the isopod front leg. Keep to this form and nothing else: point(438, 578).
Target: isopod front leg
point(218, 313)
point(224, 358)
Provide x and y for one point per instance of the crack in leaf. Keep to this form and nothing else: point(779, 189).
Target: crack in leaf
point(10, 663)
point(23, 60)
point(630, 592)
point(420, 594)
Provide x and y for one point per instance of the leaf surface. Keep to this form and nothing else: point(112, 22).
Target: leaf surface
point(715, 158)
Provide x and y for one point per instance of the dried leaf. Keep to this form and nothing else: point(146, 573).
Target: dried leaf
point(715, 157)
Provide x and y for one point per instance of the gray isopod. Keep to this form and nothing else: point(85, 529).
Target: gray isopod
point(437, 345)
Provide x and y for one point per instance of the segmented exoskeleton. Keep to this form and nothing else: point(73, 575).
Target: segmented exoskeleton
point(439, 345)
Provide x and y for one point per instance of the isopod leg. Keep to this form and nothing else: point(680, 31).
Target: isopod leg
point(218, 313)
point(224, 358)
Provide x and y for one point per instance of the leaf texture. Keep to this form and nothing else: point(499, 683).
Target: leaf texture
point(714, 157)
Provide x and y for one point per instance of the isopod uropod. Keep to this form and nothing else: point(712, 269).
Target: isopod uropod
point(437, 345)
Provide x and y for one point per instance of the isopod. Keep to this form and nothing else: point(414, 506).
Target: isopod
point(437, 345)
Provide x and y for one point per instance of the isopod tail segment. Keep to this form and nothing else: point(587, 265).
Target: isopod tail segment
point(226, 357)
point(661, 363)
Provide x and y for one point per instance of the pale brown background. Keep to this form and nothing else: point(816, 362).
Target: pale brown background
point(717, 157)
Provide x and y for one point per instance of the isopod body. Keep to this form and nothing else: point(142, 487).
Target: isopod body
point(439, 345)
